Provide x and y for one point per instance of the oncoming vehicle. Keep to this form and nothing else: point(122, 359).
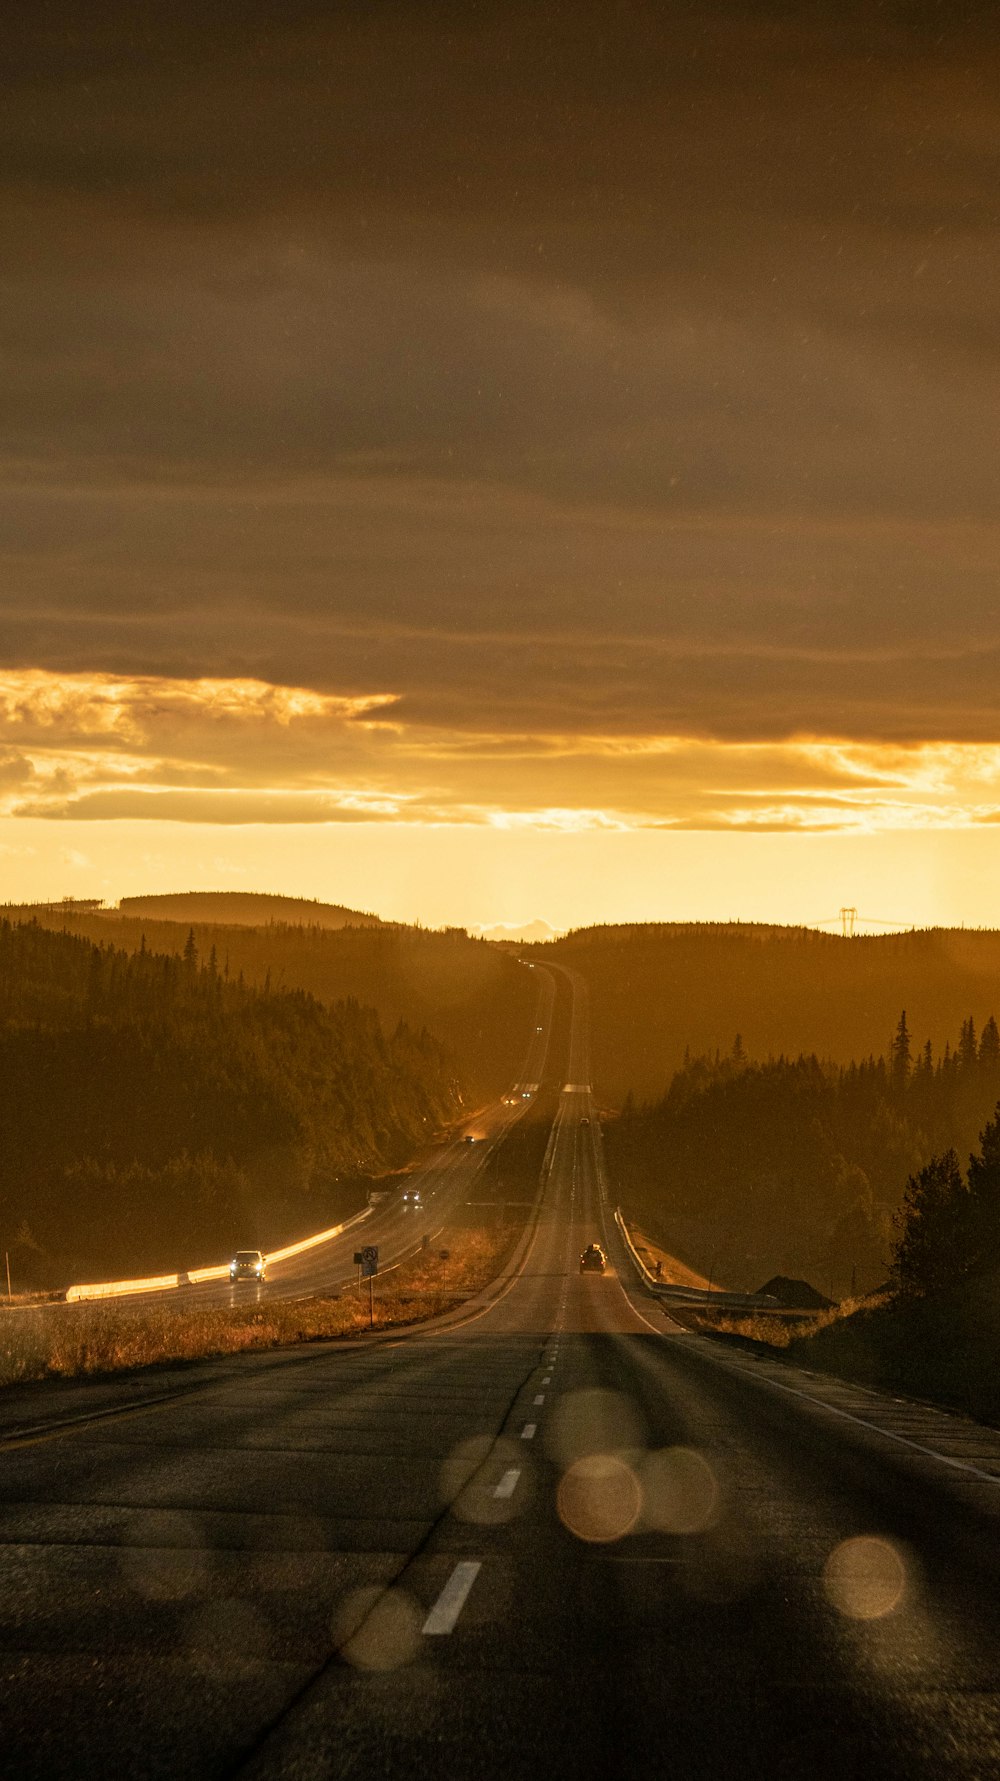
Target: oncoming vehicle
point(411, 1197)
point(470, 1137)
point(247, 1264)
point(593, 1260)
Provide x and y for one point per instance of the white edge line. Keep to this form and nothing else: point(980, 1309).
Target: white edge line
point(453, 1597)
point(946, 1459)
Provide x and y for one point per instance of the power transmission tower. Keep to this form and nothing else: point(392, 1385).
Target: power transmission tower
point(848, 917)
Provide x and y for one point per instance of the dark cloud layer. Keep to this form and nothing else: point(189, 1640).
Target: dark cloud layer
point(629, 368)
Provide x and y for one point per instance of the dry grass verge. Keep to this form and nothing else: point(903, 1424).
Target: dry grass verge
point(111, 1336)
point(780, 1329)
point(673, 1272)
point(941, 1351)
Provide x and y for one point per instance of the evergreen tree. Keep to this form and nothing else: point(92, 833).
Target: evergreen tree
point(901, 1056)
point(984, 1201)
point(932, 1247)
point(989, 1046)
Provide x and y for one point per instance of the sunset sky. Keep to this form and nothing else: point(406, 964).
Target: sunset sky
point(479, 462)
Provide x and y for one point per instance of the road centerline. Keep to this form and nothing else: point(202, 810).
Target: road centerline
point(446, 1610)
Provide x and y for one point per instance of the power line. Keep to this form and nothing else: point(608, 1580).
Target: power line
point(847, 917)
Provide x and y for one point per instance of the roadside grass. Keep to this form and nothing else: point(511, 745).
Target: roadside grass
point(72, 1341)
point(942, 1351)
point(777, 1329)
point(945, 1349)
point(673, 1272)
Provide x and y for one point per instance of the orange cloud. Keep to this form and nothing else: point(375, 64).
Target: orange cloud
point(104, 747)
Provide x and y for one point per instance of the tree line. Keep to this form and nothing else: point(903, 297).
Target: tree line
point(799, 1165)
point(156, 1109)
point(656, 989)
point(471, 995)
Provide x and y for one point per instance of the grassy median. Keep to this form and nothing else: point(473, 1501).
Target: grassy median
point(111, 1336)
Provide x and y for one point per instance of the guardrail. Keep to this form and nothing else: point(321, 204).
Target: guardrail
point(113, 1289)
point(687, 1295)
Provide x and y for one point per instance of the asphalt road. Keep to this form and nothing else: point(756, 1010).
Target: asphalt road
point(554, 1535)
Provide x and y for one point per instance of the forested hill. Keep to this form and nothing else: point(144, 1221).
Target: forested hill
point(472, 996)
point(796, 1166)
point(245, 909)
point(154, 1113)
point(657, 992)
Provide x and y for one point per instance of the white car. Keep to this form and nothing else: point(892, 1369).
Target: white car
point(248, 1264)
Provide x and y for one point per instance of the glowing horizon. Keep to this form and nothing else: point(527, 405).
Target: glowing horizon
point(611, 530)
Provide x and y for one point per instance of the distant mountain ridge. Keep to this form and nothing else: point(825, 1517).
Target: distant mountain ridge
point(246, 909)
point(526, 934)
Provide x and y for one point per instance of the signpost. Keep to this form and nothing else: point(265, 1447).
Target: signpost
point(369, 1269)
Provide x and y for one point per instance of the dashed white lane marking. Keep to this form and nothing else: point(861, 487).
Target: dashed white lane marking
point(453, 1597)
point(528, 1431)
point(547, 1381)
point(505, 1488)
point(540, 1399)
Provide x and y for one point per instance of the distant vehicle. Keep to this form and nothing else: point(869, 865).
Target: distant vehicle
point(248, 1264)
point(593, 1260)
point(470, 1138)
point(539, 1029)
point(585, 1120)
point(411, 1197)
point(526, 1094)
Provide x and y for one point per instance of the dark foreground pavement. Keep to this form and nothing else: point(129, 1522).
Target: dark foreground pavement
point(562, 1536)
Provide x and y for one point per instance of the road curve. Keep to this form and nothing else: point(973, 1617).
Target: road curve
point(557, 1535)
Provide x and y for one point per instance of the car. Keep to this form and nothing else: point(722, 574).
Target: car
point(470, 1138)
point(411, 1197)
point(585, 1120)
point(248, 1264)
point(593, 1260)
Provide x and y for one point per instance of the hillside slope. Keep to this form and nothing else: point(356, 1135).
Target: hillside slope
point(245, 909)
point(153, 1114)
point(473, 997)
point(659, 990)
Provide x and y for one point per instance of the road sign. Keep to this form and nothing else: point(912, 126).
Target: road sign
point(369, 1260)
